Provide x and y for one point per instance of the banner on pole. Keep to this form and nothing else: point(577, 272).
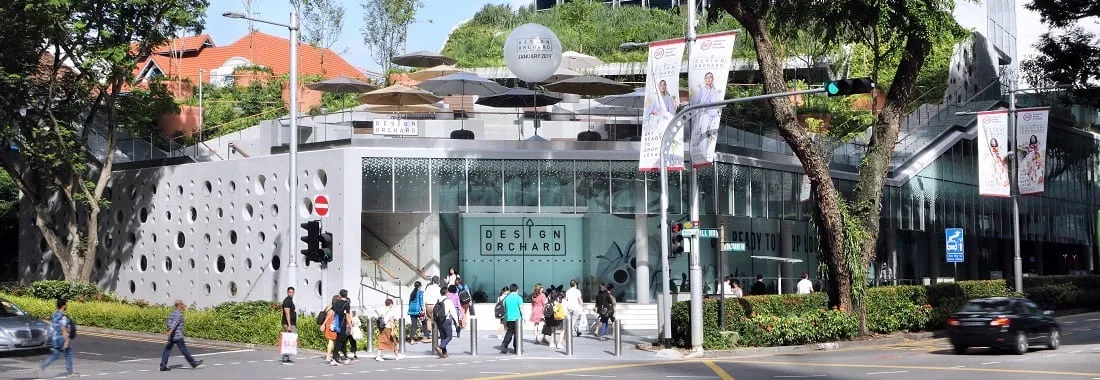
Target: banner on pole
point(1031, 137)
point(662, 97)
point(708, 73)
point(993, 172)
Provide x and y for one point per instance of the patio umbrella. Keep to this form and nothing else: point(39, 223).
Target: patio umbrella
point(562, 73)
point(415, 108)
point(604, 110)
point(342, 85)
point(462, 83)
point(591, 86)
point(433, 72)
point(520, 97)
point(576, 61)
point(398, 95)
point(422, 58)
point(634, 99)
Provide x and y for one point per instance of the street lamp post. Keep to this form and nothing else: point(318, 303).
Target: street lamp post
point(201, 109)
point(292, 243)
point(695, 268)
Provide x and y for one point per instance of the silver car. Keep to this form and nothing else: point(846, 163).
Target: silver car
point(20, 331)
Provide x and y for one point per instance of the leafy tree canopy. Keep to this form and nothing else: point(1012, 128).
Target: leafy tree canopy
point(1068, 54)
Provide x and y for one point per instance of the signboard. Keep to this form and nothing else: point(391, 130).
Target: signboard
point(733, 246)
point(396, 127)
point(662, 98)
point(954, 240)
point(993, 154)
point(1031, 138)
point(689, 232)
point(320, 205)
point(708, 233)
point(708, 71)
point(527, 238)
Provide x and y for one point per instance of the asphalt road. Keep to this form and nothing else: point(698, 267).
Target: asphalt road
point(127, 358)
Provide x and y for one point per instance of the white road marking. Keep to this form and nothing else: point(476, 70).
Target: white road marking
point(1051, 356)
point(235, 363)
point(104, 374)
point(308, 377)
point(364, 371)
point(1022, 359)
point(144, 370)
point(1076, 352)
point(327, 375)
point(883, 373)
point(575, 375)
point(988, 363)
point(691, 377)
point(219, 364)
point(89, 353)
point(288, 378)
point(959, 366)
point(123, 372)
point(269, 360)
point(253, 361)
point(195, 355)
point(499, 373)
point(425, 370)
point(800, 376)
point(345, 373)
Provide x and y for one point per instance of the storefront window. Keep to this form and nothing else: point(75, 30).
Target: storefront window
point(521, 186)
point(377, 184)
point(593, 186)
point(411, 186)
point(449, 184)
point(623, 174)
point(556, 186)
point(485, 185)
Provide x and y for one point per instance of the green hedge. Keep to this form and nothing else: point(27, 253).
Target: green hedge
point(1061, 292)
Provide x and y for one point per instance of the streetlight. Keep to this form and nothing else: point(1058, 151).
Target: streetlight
point(292, 243)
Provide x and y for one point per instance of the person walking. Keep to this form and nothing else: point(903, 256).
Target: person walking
point(432, 292)
point(343, 318)
point(553, 315)
point(174, 322)
point(538, 304)
point(465, 302)
point(603, 309)
point(512, 316)
point(759, 287)
point(444, 320)
point(355, 334)
point(737, 292)
point(416, 313)
point(459, 324)
point(62, 340)
point(805, 286)
point(574, 306)
point(329, 328)
point(500, 301)
point(452, 277)
point(386, 341)
point(290, 318)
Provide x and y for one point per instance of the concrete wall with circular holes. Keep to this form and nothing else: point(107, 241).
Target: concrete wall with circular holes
point(208, 233)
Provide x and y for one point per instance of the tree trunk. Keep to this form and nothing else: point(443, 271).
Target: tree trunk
point(829, 221)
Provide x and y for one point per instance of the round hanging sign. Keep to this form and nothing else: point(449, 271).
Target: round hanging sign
point(532, 52)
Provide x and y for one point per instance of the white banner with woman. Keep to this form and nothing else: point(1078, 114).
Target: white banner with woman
point(1031, 138)
point(662, 97)
point(708, 72)
point(993, 173)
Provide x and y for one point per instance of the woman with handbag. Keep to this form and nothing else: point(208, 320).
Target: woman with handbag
point(416, 314)
point(538, 304)
point(387, 321)
point(330, 328)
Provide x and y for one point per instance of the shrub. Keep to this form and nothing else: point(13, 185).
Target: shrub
point(70, 290)
point(897, 308)
point(783, 305)
point(816, 326)
point(1059, 292)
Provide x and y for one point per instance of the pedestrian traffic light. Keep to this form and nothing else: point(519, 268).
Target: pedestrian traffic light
point(676, 242)
point(326, 248)
point(852, 86)
point(313, 233)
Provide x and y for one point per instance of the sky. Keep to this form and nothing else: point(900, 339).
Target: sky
point(446, 14)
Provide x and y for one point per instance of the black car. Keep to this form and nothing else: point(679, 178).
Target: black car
point(1012, 324)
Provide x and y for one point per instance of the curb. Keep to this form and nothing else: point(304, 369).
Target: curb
point(896, 338)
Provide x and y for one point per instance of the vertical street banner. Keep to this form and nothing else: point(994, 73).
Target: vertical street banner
point(993, 172)
point(1031, 140)
point(708, 71)
point(662, 97)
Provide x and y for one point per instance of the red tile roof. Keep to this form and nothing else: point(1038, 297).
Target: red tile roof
point(259, 48)
point(184, 44)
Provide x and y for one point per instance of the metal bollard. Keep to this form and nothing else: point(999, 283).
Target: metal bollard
point(401, 336)
point(568, 336)
point(618, 340)
point(370, 334)
point(473, 335)
point(519, 337)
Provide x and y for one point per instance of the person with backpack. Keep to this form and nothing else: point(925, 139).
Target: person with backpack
point(498, 309)
point(538, 304)
point(452, 293)
point(444, 314)
point(174, 322)
point(416, 313)
point(63, 334)
point(465, 302)
point(431, 297)
point(386, 323)
point(604, 308)
point(512, 315)
point(329, 326)
point(343, 318)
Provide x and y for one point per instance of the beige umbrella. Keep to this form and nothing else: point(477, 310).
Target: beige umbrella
point(562, 73)
point(415, 108)
point(576, 61)
point(433, 72)
point(398, 95)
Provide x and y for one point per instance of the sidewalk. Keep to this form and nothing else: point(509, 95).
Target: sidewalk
point(584, 347)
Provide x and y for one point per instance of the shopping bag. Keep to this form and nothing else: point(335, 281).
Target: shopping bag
point(288, 343)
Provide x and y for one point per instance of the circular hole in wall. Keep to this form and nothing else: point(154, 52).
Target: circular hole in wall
point(192, 214)
point(206, 289)
point(207, 187)
point(191, 262)
point(179, 190)
point(167, 264)
point(108, 241)
point(232, 186)
point(318, 288)
point(320, 180)
point(143, 263)
point(246, 214)
point(168, 215)
point(274, 210)
point(133, 287)
point(221, 264)
point(154, 236)
point(154, 284)
point(118, 216)
point(306, 207)
point(248, 263)
point(232, 289)
point(220, 214)
point(144, 213)
point(232, 237)
point(261, 182)
point(275, 262)
point(181, 240)
point(206, 238)
point(263, 237)
point(131, 239)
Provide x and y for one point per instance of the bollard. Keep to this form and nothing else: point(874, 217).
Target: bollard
point(568, 336)
point(618, 339)
point(473, 335)
point(519, 337)
point(370, 334)
point(401, 336)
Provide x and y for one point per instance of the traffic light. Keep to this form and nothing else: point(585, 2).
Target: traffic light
point(313, 234)
point(845, 87)
point(325, 253)
point(676, 242)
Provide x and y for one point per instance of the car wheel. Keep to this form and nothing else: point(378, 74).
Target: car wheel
point(1055, 339)
point(1020, 347)
point(960, 349)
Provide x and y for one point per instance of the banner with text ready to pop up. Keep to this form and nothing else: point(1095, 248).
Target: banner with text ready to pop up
point(662, 97)
point(1031, 139)
point(993, 173)
point(708, 72)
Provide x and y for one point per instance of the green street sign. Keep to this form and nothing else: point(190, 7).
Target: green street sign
point(689, 232)
point(708, 233)
point(732, 246)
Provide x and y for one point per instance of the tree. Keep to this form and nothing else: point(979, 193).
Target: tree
point(385, 27)
point(1071, 57)
point(322, 24)
point(64, 64)
point(847, 229)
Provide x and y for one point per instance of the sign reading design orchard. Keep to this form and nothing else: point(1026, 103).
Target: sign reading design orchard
point(527, 239)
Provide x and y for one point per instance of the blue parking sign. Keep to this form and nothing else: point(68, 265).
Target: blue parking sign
point(954, 240)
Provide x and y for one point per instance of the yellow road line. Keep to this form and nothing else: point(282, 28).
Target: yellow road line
point(718, 370)
point(583, 369)
point(994, 370)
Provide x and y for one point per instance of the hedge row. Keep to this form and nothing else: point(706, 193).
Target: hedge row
point(1062, 292)
point(257, 322)
point(788, 319)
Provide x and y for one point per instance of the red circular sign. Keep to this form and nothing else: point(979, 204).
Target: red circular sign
point(320, 205)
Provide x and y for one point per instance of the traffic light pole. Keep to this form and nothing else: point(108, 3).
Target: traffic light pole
point(695, 268)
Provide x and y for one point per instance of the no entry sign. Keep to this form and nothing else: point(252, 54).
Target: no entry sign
point(320, 205)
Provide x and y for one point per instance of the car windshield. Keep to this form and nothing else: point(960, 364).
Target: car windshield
point(8, 309)
point(986, 306)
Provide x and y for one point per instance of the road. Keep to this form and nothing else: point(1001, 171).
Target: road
point(112, 357)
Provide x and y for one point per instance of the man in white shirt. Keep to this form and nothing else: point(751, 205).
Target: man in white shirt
point(431, 296)
point(574, 307)
point(805, 286)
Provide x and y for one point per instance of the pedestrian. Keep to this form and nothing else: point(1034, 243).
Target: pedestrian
point(355, 334)
point(452, 277)
point(444, 320)
point(759, 287)
point(416, 313)
point(805, 286)
point(432, 293)
point(603, 310)
point(329, 327)
point(574, 307)
point(386, 342)
point(736, 286)
point(174, 322)
point(500, 301)
point(512, 316)
point(538, 306)
point(465, 302)
point(553, 315)
point(727, 287)
point(290, 318)
point(62, 340)
point(343, 316)
point(452, 293)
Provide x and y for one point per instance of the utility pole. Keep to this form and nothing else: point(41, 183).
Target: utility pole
point(695, 268)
